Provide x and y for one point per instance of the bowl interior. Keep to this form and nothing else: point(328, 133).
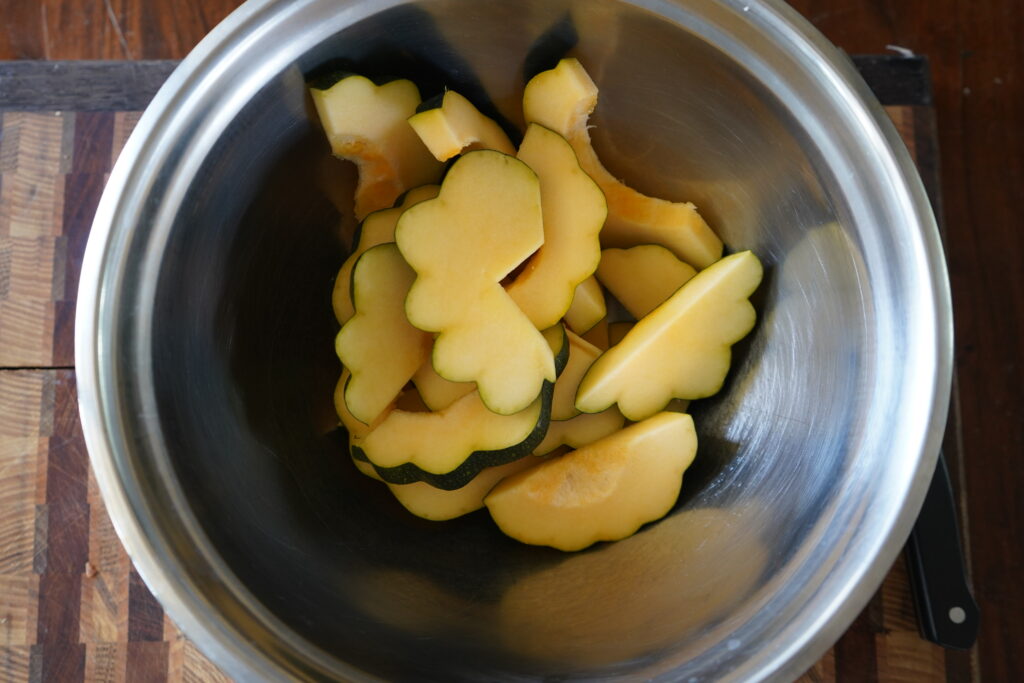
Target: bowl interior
point(238, 359)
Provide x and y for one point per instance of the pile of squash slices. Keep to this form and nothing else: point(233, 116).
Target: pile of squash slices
point(480, 368)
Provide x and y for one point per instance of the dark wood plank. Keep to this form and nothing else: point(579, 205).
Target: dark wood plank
point(147, 662)
point(896, 80)
point(21, 32)
point(106, 29)
point(130, 85)
point(145, 616)
point(60, 656)
point(83, 187)
point(855, 653)
point(81, 86)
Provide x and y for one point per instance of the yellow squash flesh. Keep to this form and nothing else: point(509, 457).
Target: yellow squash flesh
point(587, 307)
point(682, 348)
point(366, 469)
point(581, 355)
point(574, 210)
point(377, 228)
point(456, 126)
point(378, 345)
point(439, 442)
point(448, 448)
point(367, 124)
point(484, 223)
point(642, 277)
point(437, 392)
point(580, 431)
point(356, 429)
point(562, 99)
point(427, 502)
point(602, 492)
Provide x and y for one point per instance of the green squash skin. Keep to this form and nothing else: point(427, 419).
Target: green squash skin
point(329, 79)
point(434, 102)
point(399, 200)
point(478, 460)
point(325, 80)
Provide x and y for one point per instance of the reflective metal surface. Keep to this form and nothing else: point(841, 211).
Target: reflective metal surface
point(205, 357)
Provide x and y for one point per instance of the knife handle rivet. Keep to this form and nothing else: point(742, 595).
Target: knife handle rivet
point(957, 615)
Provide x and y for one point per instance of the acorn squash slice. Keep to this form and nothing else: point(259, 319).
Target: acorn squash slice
point(580, 431)
point(447, 448)
point(428, 502)
point(356, 430)
point(449, 124)
point(485, 222)
point(367, 469)
point(642, 277)
point(582, 355)
point(574, 210)
point(602, 492)
point(682, 349)
point(587, 307)
point(562, 99)
point(378, 345)
point(367, 124)
point(437, 392)
point(377, 228)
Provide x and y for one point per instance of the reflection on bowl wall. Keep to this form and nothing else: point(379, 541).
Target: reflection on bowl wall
point(205, 345)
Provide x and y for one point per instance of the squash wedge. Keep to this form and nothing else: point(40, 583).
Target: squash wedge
point(682, 348)
point(642, 277)
point(449, 125)
point(587, 307)
point(367, 124)
point(574, 211)
point(356, 429)
point(378, 345)
point(377, 228)
point(582, 355)
point(428, 502)
point(562, 99)
point(602, 492)
point(485, 222)
point(437, 392)
point(366, 469)
point(581, 430)
point(446, 449)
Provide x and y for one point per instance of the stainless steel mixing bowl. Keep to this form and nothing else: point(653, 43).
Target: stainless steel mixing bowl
point(204, 351)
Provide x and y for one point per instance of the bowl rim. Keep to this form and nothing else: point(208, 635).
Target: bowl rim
point(97, 383)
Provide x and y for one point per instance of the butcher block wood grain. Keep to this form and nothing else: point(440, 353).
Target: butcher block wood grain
point(72, 607)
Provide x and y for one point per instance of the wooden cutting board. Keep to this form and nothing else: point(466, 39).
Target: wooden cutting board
point(72, 607)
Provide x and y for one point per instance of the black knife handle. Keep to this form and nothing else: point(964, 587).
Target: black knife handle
point(946, 610)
